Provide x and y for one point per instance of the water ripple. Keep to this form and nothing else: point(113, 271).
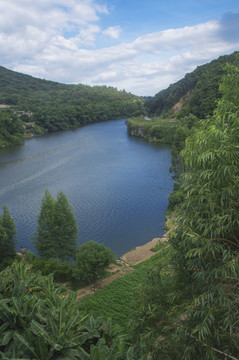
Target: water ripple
point(118, 186)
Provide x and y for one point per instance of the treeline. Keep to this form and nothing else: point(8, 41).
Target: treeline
point(58, 106)
point(198, 91)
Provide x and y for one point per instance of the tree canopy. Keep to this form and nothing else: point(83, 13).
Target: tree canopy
point(189, 309)
point(54, 106)
point(207, 239)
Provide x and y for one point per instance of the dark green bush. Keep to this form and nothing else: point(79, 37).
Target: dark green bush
point(174, 199)
point(60, 271)
point(91, 261)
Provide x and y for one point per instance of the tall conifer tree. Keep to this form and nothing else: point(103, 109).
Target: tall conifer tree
point(57, 228)
point(44, 237)
point(66, 227)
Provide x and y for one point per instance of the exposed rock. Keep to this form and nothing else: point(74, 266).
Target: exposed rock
point(178, 106)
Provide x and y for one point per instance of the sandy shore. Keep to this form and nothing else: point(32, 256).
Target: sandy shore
point(140, 253)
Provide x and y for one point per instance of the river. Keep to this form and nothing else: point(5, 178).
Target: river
point(117, 185)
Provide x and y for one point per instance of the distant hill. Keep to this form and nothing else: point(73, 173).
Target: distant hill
point(55, 106)
point(196, 93)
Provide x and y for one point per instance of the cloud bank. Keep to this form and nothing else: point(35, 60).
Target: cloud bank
point(57, 40)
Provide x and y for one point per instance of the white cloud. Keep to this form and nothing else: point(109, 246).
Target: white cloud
point(56, 39)
point(113, 32)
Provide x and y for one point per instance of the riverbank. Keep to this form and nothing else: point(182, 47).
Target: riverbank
point(124, 265)
point(154, 130)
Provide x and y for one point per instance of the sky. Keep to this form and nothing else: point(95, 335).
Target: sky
point(141, 46)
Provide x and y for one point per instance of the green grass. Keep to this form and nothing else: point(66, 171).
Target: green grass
point(116, 300)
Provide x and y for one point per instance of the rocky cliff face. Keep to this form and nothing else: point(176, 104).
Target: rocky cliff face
point(137, 131)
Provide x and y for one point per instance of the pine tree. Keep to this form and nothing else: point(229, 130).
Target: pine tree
point(7, 235)
point(44, 237)
point(66, 227)
point(57, 228)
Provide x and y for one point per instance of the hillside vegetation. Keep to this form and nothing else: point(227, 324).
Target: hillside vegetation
point(195, 94)
point(175, 110)
point(53, 106)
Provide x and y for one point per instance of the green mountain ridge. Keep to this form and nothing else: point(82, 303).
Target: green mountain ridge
point(54, 106)
point(195, 94)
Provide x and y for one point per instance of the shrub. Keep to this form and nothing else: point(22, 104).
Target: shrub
point(91, 260)
point(61, 271)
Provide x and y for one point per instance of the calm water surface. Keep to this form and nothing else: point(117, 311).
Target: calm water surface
point(117, 185)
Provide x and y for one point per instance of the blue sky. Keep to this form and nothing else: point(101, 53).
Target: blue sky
point(139, 46)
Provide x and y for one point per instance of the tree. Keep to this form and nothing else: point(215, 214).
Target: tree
point(207, 239)
point(57, 228)
point(91, 260)
point(7, 235)
point(66, 227)
point(45, 241)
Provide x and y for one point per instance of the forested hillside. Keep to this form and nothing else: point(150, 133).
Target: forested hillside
point(54, 106)
point(195, 94)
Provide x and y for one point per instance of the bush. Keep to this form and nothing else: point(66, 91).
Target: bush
point(91, 261)
point(61, 271)
point(29, 256)
point(175, 199)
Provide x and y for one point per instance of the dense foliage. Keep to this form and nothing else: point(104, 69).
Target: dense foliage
point(57, 228)
point(207, 240)
point(198, 90)
point(7, 236)
point(61, 271)
point(54, 106)
point(40, 321)
point(11, 128)
point(194, 314)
